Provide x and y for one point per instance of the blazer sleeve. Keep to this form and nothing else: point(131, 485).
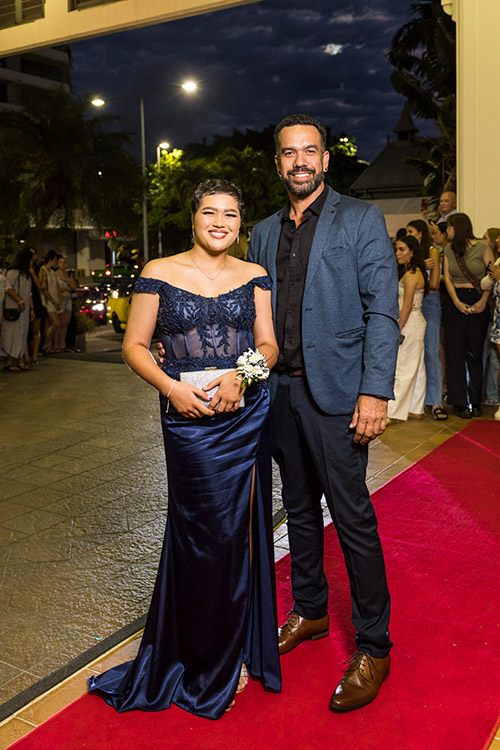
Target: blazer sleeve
point(378, 288)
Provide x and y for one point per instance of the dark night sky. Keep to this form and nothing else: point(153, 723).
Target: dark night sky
point(254, 64)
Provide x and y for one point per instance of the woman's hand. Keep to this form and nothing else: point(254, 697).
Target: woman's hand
point(494, 272)
point(185, 397)
point(229, 392)
point(462, 307)
point(21, 305)
point(480, 305)
point(161, 352)
point(429, 264)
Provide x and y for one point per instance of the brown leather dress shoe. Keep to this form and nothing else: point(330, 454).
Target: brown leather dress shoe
point(361, 682)
point(297, 629)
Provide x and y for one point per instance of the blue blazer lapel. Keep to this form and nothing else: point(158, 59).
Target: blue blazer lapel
point(271, 253)
point(323, 230)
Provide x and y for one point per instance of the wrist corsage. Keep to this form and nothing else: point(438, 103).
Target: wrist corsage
point(251, 366)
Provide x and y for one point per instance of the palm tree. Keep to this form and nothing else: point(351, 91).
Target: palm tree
point(59, 162)
point(423, 53)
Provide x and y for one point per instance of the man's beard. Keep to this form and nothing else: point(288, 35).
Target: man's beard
point(304, 189)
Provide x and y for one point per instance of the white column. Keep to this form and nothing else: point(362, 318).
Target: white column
point(478, 109)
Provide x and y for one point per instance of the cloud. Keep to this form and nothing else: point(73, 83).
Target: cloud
point(333, 103)
point(306, 15)
point(372, 15)
point(254, 64)
point(334, 49)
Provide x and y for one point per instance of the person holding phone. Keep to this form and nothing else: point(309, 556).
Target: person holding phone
point(466, 315)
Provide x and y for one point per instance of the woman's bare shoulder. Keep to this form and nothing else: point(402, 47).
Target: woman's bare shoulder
point(162, 268)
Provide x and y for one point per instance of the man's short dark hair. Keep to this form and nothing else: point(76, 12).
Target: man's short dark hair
point(292, 120)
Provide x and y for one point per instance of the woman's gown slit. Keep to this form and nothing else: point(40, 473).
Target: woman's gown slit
point(211, 610)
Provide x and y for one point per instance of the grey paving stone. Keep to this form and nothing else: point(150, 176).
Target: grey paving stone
point(9, 488)
point(33, 521)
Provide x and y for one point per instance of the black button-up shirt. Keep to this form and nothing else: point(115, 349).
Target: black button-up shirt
point(291, 268)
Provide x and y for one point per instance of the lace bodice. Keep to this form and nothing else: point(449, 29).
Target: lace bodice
point(199, 332)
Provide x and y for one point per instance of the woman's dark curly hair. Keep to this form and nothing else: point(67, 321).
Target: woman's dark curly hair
point(216, 186)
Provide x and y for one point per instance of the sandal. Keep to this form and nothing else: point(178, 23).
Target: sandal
point(439, 414)
point(243, 681)
point(11, 368)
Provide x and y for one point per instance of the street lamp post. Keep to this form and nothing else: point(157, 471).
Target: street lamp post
point(161, 147)
point(189, 87)
point(97, 101)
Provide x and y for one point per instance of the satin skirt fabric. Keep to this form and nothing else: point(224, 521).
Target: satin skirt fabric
point(210, 609)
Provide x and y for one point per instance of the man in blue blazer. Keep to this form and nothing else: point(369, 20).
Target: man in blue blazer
point(336, 316)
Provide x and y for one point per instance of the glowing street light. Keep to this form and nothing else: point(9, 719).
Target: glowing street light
point(97, 101)
point(188, 86)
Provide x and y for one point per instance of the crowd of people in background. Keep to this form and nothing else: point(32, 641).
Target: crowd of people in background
point(37, 310)
point(449, 300)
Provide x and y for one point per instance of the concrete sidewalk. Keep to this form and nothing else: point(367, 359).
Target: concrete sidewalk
point(82, 511)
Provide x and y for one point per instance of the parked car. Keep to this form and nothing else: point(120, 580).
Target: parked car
point(93, 303)
point(119, 295)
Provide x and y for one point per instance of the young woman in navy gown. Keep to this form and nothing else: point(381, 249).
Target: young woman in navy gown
point(213, 611)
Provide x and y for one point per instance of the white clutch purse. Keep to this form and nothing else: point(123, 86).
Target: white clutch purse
point(200, 378)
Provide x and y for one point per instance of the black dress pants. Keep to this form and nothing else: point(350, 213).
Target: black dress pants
point(464, 343)
point(316, 455)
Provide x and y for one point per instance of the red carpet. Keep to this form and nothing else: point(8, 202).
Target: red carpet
point(440, 526)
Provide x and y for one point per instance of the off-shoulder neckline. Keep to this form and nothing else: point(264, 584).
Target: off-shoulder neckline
point(203, 296)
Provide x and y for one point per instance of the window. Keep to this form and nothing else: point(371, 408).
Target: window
point(42, 69)
point(81, 4)
point(13, 12)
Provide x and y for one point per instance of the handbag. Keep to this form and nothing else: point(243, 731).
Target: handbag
point(468, 275)
point(201, 378)
point(12, 313)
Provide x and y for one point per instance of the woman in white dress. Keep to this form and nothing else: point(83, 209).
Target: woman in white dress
point(431, 310)
point(17, 302)
point(51, 298)
point(409, 389)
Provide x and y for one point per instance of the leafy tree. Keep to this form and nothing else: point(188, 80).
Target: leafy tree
point(232, 158)
point(171, 188)
point(423, 53)
point(59, 162)
point(345, 166)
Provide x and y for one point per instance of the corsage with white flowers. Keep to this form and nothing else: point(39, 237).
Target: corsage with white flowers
point(251, 366)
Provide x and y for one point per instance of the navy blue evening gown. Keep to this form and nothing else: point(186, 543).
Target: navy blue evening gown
point(210, 609)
